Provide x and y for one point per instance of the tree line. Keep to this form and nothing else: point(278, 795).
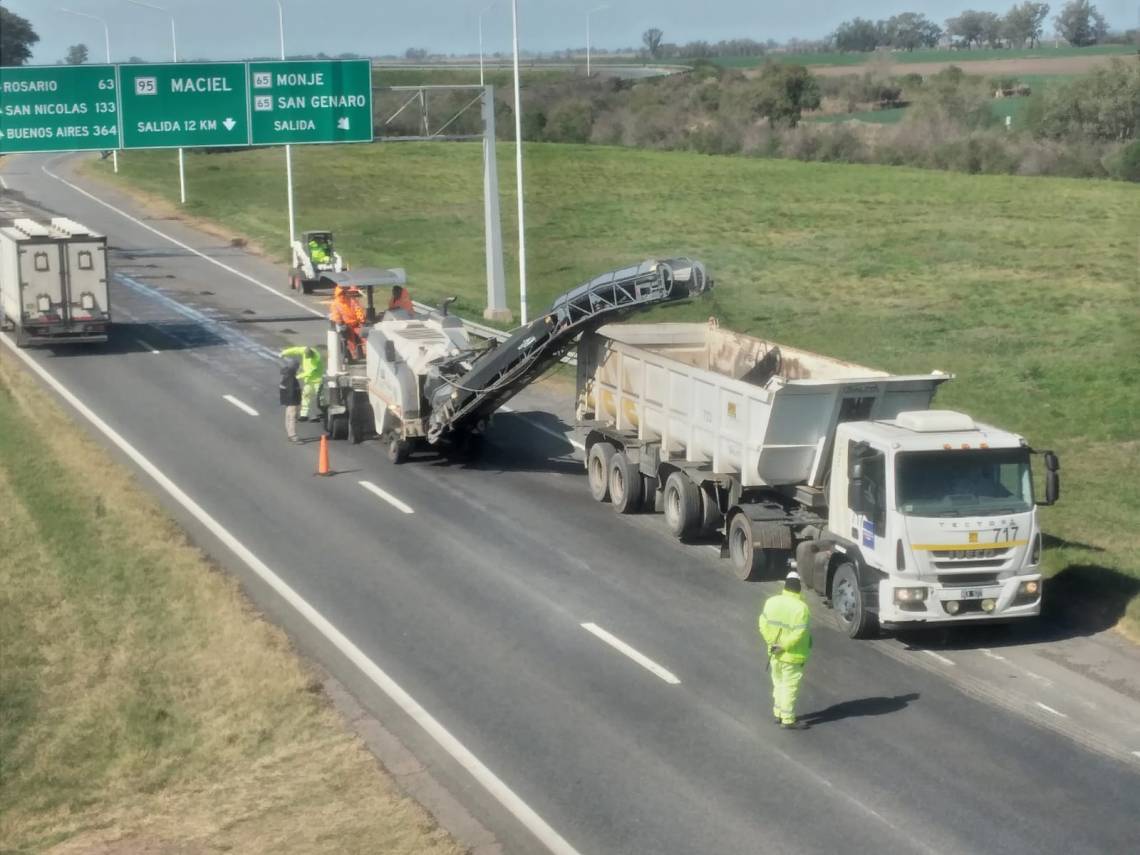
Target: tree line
point(1078, 22)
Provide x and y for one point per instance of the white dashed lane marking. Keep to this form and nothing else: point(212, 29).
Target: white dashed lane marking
point(640, 658)
point(1049, 709)
point(387, 497)
point(241, 405)
point(939, 657)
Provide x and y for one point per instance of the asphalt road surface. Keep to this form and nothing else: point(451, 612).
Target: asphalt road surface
point(577, 679)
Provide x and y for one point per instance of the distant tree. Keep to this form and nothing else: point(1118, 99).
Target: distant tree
point(783, 91)
point(969, 27)
point(416, 54)
point(1024, 22)
point(993, 29)
point(858, 34)
point(76, 55)
point(1080, 24)
point(651, 38)
point(135, 59)
point(910, 30)
point(16, 38)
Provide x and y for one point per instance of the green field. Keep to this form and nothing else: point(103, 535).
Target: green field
point(1025, 288)
point(498, 77)
point(958, 57)
point(1000, 107)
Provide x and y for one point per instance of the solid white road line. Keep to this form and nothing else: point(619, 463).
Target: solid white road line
point(1137, 753)
point(386, 496)
point(241, 405)
point(496, 787)
point(146, 345)
point(180, 244)
point(1050, 709)
point(939, 657)
point(642, 660)
point(3, 183)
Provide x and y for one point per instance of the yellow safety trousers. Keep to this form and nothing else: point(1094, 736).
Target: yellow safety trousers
point(786, 679)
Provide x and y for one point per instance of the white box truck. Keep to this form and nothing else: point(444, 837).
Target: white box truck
point(896, 514)
point(53, 282)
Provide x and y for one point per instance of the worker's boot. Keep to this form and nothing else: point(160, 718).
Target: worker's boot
point(794, 725)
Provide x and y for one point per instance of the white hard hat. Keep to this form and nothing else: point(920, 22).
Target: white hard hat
point(793, 575)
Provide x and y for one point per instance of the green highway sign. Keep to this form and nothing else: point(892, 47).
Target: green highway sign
point(318, 101)
point(184, 105)
point(58, 108)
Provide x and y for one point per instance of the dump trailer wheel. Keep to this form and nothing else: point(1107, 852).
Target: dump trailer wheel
point(598, 469)
point(711, 517)
point(682, 505)
point(625, 484)
point(295, 279)
point(398, 449)
point(757, 549)
point(848, 601)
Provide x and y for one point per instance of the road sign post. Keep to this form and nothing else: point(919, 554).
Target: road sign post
point(315, 101)
point(184, 105)
point(58, 108)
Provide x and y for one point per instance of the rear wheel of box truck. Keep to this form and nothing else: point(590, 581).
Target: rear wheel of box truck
point(850, 605)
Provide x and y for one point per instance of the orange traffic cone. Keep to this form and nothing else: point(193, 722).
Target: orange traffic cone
point(323, 459)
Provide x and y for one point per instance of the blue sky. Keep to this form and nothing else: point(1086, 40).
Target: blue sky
point(234, 29)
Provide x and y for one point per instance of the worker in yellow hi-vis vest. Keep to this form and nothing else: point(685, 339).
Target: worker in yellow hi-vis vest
point(787, 637)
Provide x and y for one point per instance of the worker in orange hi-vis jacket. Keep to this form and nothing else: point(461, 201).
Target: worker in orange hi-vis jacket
point(348, 316)
point(401, 299)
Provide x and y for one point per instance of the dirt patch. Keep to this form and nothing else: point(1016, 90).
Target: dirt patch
point(988, 67)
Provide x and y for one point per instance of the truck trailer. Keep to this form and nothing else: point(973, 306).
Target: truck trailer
point(53, 282)
point(898, 515)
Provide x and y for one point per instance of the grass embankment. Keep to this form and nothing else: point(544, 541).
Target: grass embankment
point(957, 57)
point(1025, 288)
point(493, 76)
point(143, 706)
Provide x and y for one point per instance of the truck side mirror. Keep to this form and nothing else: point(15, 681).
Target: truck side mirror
point(1052, 478)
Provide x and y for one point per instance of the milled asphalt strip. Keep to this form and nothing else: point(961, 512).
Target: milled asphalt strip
point(496, 787)
point(387, 497)
point(180, 244)
point(563, 436)
point(241, 405)
point(641, 659)
point(145, 344)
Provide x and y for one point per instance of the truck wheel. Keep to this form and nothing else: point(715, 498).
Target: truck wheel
point(398, 449)
point(682, 505)
point(751, 559)
point(598, 469)
point(711, 517)
point(625, 484)
point(850, 609)
point(338, 426)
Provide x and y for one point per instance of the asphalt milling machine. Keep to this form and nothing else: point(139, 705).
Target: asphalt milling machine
point(425, 382)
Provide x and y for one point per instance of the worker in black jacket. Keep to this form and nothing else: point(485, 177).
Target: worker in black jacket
point(290, 388)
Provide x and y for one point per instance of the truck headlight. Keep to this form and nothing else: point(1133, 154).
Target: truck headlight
point(910, 595)
point(988, 605)
point(1030, 588)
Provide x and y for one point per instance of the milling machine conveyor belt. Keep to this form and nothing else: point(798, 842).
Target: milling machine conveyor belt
point(465, 398)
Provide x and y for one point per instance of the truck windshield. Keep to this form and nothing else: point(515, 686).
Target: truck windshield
point(963, 483)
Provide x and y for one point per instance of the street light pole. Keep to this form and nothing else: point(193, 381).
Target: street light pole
point(519, 164)
point(288, 148)
point(588, 14)
point(107, 48)
point(482, 12)
point(174, 49)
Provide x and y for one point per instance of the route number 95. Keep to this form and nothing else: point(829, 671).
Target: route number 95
point(146, 86)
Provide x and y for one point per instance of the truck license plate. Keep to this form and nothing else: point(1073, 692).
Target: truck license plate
point(971, 594)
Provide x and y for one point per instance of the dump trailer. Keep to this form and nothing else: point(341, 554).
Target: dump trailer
point(306, 272)
point(896, 514)
point(426, 382)
point(53, 282)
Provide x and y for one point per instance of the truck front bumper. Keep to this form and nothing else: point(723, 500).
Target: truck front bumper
point(903, 601)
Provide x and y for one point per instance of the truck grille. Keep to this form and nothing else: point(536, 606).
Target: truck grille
point(967, 580)
point(965, 559)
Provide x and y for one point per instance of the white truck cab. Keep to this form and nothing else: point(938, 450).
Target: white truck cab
point(939, 510)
